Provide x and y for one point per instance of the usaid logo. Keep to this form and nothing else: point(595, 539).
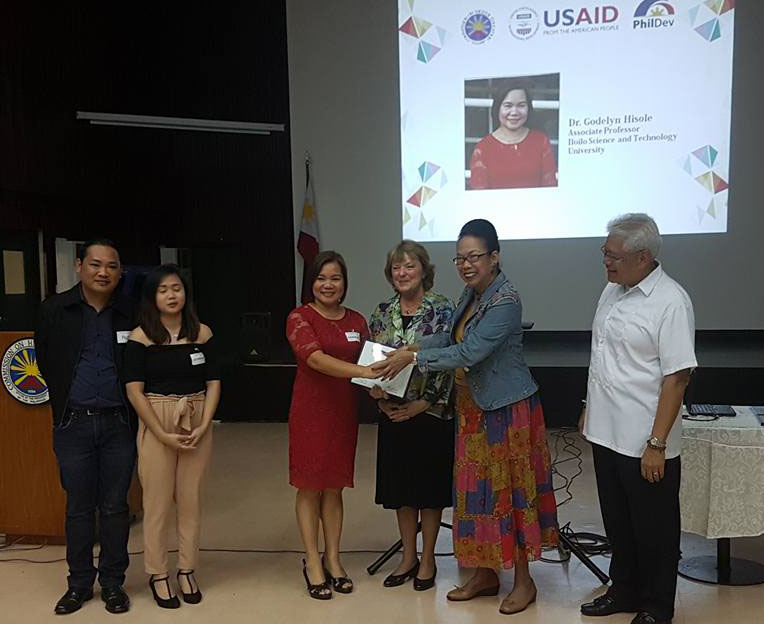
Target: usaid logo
point(654, 14)
point(580, 17)
point(523, 23)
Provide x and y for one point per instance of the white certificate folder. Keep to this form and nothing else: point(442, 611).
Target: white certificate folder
point(375, 352)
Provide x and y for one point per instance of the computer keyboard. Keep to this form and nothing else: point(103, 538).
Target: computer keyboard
point(705, 409)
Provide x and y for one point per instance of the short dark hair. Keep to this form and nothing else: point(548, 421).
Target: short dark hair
point(500, 90)
point(413, 250)
point(82, 252)
point(484, 230)
point(325, 257)
point(148, 315)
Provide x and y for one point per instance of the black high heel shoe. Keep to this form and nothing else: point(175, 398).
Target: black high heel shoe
point(194, 597)
point(319, 591)
point(393, 580)
point(166, 603)
point(423, 584)
point(341, 584)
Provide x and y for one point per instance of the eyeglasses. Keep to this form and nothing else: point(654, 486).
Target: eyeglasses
point(613, 258)
point(471, 258)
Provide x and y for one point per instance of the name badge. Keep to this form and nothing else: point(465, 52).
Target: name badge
point(197, 358)
point(122, 336)
point(353, 336)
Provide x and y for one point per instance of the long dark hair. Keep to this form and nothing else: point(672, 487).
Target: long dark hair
point(148, 314)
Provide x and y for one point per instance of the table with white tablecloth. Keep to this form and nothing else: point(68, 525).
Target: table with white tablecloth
point(722, 492)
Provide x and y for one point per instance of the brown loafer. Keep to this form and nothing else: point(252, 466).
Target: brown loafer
point(461, 594)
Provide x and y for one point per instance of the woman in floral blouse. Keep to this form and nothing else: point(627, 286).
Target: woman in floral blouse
point(415, 444)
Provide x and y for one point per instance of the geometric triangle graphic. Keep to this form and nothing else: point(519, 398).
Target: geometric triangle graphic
point(441, 34)
point(427, 170)
point(712, 153)
point(727, 6)
point(428, 194)
point(443, 179)
point(701, 214)
point(706, 180)
point(426, 51)
point(416, 198)
point(406, 215)
point(715, 5)
point(687, 167)
point(719, 184)
point(710, 30)
point(409, 28)
point(422, 26)
point(422, 221)
point(711, 210)
point(693, 12)
point(703, 154)
point(411, 4)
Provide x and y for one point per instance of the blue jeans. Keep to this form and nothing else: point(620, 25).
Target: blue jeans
point(96, 457)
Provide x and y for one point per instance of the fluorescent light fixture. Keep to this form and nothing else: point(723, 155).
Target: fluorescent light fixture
point(179, 123)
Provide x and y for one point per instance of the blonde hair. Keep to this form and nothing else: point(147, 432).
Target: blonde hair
point(414, 250)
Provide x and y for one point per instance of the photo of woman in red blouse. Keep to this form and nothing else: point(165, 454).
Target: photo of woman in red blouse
point(513, 155)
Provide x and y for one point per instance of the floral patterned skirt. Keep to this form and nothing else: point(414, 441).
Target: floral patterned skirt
point(504, 502)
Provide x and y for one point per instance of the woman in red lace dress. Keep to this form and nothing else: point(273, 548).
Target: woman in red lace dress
point(323, 419)
point(513, 155)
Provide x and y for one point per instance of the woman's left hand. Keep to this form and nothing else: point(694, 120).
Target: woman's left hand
point(396, 361)
point(407, 411)
point(196, 435)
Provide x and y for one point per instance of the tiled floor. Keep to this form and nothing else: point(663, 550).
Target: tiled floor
point(250, 506)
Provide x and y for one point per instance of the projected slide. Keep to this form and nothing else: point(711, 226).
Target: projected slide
point(549, 118)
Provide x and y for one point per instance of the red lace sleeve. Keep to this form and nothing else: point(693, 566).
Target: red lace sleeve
point(548, 165)
point(478, 169)
point(301, 335)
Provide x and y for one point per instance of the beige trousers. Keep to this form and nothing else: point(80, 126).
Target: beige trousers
point(168, 476)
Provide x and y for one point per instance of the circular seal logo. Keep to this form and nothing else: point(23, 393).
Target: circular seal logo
point(21, 376)
point(523, 23)
point(478, 26)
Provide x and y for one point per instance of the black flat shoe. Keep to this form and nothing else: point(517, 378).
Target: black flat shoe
point(423, 584)
point(606, 605)
point(648, 618)
point(341, 584)
point(166, 603)
point(115, 598)
point(194, 597)
point(393, 580)
point(72, 600)
point(319, 591)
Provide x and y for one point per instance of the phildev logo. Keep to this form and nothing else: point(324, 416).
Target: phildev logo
point(478, 26)
point(21, 375)
point(523, 23)
point(654, 14)
point(580, 17)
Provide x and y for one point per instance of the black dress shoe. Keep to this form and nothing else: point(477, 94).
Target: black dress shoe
point(194, 597)
point(393, 580)
point(643, 617)
point(72, 600)
point(606, 605)
point(423, 584)
point(115, 598)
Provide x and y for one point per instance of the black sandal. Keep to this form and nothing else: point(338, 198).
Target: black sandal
point(341, 584)
point(166, 603)
point(194, 597)
point(319, 591)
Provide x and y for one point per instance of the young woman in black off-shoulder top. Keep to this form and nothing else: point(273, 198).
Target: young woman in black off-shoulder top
point(173, 382)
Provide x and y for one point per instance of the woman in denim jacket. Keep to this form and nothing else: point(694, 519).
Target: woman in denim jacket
point(504, 505)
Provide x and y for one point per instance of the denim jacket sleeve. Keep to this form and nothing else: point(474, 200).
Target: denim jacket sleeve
point(492, 330)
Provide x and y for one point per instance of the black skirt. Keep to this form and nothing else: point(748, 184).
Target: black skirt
point(415, 463)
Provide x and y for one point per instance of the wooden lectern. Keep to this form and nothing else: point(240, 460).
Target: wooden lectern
point(32, 503)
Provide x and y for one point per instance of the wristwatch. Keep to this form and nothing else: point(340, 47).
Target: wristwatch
point(655, 444)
